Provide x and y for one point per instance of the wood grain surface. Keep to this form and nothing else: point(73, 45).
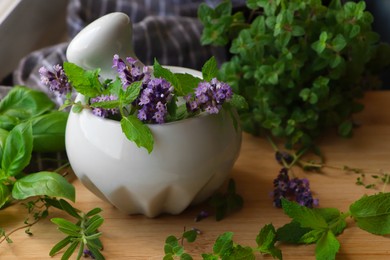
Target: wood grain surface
point(138, 237)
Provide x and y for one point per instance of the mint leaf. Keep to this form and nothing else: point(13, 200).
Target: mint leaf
point(137, 132)
point(327, 246)
point(86, 82)
point(190, 235)
point(266, 242)
point(224, 244)
point(161, 72)
point(43, 184)
point(239, 102)
point(131, 93)
point(187, 83)
point(306, 217)
point(372, 213)
point(291, 233)
point(210, 69)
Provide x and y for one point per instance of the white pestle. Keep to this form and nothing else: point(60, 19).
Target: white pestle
point(95, 45)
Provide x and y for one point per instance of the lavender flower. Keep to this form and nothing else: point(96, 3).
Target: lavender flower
point(298, 189)
point(98, 111)
point(209, 97)
point(130, 73)
point(56, 80)
point(153, 100)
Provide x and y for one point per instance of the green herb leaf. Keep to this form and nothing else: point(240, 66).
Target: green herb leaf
point(22, 103)
point(210, 69)
point(306, 217)
point(190, 235)
point(224, 244)
point(49, 132)
point(161, 72)
point(291, 233)
point(137, 132)
point(327, 246)
point(60, 245)
point(5, 194)
point(17, 149)
point(43, 183)
point(63, 223)
point(372, 213)
point(131, 93)
point(3, 137)
point(187, 83)
point(266, 241)
point(86, 82)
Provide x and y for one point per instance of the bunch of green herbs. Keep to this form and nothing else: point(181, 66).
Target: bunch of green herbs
point(319, 226)
point(301, 65)
point(30, 123)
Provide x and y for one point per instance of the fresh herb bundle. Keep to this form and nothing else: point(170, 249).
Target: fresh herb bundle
point(30, 123)
point(138, 97)
point(308, 226)
point(302, 66)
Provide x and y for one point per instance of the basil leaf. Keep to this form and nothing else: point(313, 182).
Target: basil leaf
point(137, 132)
point(3, 137)
point(43, 184)
point(8, 122)
point(4, 194)
point(17, 149)
point(372, 213)
point(23, 103)
point(49, 132)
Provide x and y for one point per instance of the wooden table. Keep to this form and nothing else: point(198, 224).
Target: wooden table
point(138, 237)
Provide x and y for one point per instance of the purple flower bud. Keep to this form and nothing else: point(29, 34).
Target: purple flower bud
point(56, 80)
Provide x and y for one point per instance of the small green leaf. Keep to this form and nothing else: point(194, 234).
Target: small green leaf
point(210, 69)
point(372, 213)
point(64, 205)
point(60, 245)
point(266, 240)
point(43, 183)
point(93, 212)
point(327, 246)
point(345, 128)
point(239, 102)
point(137, 132)
point(93, 224)
point(224, 244)
point(306, 217)
point(161, 72)
point(86, 82)
point(131, 93)
point(187, 83)
point(70, 250)
point(291, 233)
point(63, 223)
point(190, 235)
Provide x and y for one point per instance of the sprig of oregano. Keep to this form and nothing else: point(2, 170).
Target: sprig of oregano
point(319, 226)
point(87, 83)
point(29, 123)
point(301, 65)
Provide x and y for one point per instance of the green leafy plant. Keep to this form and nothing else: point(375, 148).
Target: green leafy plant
point(138, 97)
point(319, 226)
point(302, 66)
point(29, 123)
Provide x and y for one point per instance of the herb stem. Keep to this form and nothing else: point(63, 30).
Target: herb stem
point(6, 236)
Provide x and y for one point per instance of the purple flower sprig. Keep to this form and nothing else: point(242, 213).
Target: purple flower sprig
point(137, 96)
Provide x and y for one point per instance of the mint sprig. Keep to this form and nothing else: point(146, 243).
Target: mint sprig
point(319, 226)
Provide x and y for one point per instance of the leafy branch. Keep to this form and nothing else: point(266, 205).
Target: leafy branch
point(319, 226)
